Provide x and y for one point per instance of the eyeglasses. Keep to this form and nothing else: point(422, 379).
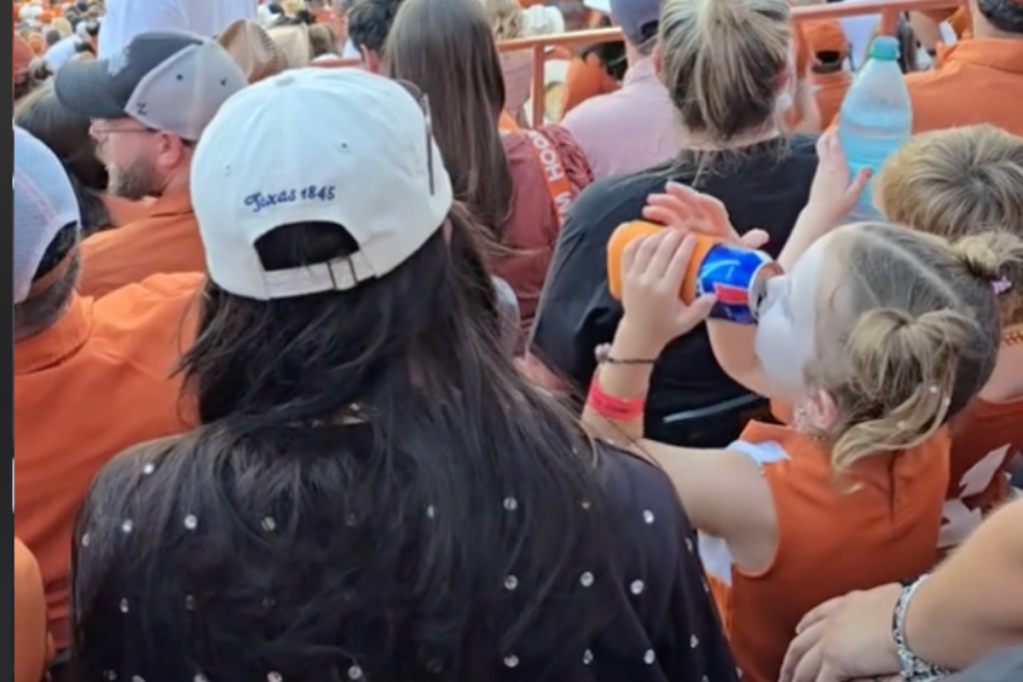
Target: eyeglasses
point(423, 100)
point(99, 128)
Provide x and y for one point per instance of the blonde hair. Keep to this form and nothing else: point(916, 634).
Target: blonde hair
point(722, 61)
point(912, 334)
point(323, 41)
point(62, 26)
point(507, 19)
point(959, 182)
point(294, 43)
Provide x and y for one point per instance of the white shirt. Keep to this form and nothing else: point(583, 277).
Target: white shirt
point(125, 19)
point(61, 52)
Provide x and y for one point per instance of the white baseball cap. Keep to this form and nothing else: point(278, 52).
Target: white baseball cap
point(44, 204)
point(339, 146)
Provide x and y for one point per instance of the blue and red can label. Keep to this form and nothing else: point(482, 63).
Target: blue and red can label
point(735, 275)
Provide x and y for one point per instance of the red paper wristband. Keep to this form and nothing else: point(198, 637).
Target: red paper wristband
point(612, 407)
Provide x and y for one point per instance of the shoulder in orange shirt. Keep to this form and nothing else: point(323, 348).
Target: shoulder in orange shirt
point(165, 240)
point(33, 647)
point(877, 526)
point(978, 81)
point(96, 382)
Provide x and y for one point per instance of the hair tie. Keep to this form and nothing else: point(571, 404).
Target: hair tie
point(1000, 285)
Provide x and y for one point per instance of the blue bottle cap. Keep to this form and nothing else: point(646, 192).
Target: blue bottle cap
point(885, 48)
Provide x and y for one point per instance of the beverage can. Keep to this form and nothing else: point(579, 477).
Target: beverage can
point(736, 275)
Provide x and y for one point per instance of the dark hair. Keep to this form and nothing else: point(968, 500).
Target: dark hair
point(369, 23)
point(66, 133)
point(1004, 15)
point(53, 37)
point(611, 55)
point(447, 48)
point(43, 309)
point(38, 73)
point(64, 242)
point(393, 540)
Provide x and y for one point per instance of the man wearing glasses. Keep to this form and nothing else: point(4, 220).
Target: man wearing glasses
point(149, 105)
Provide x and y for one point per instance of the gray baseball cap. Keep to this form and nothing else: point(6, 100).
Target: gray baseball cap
point(166, 80)
point(636, 18)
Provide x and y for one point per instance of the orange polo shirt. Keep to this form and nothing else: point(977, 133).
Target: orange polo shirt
point(831, 540)
point(96, 382)
point(125, 211)
point(986, 438)
point(166, 240)
point(33, 647)
point(980, 80)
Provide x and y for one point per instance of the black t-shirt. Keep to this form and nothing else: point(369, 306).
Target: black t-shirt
point(656, 620)
point(691, 402)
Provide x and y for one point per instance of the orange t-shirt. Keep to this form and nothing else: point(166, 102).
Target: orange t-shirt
point(881, 528)
point(22, 57)
point(166, 240)
point(829, 91)
point(33, 647)
point(979, 80)
point(586, 78)
point(96, 382)
point(825, 35)
point(507, 124)
point(985, 439)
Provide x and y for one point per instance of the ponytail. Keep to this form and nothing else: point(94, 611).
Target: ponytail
point(904, 373)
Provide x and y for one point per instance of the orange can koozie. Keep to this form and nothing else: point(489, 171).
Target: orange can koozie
point(736, 275)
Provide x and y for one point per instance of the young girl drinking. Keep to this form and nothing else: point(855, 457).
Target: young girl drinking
point(954, 183)
point(875, 335)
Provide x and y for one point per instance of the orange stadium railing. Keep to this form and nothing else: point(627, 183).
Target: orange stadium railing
point(888, 9)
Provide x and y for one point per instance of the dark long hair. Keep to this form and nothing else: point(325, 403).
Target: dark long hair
point(422, 537)
point(447, 48)
point(66, 133)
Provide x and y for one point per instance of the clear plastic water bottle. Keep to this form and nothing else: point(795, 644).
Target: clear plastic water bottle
point(876, 117)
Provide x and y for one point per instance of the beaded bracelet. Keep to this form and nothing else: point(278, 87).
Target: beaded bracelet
point(914, 668)
point(629, 361)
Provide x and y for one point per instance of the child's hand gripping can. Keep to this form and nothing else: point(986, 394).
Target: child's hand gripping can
point(736, 275)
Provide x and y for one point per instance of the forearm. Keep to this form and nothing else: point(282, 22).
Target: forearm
point(812, 224)
point(627, 380)
point(972, 605)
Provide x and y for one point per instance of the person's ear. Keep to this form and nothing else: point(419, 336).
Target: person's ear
point(820, 410)
point(657, 57)
point(171, 151)
point(370, 59)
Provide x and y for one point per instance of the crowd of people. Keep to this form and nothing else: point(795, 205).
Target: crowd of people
point(319, 374)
